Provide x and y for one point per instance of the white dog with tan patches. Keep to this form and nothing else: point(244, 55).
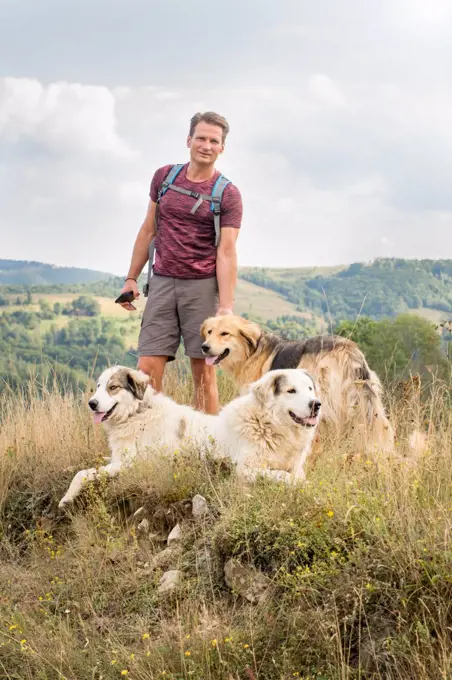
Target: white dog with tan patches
point(269, 430)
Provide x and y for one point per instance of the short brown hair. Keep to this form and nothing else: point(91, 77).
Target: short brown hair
point(213, 119)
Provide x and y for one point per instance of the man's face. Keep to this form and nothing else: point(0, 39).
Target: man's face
point(206, 144)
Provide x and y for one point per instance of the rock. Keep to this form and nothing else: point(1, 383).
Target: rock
point(247, 581)
point(139, 514)
point(145, 550)
point(166, 558)
point(199, 506)
point(143, 528)
point(175, 535)
point(170, 581)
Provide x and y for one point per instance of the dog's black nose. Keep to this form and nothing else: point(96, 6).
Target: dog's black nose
point(315, 405)
point(205, 347)
point(93, 404)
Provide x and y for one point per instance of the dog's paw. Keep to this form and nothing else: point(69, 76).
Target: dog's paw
point(64, 502)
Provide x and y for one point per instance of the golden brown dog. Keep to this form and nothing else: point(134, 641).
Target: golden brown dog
point(351, 394)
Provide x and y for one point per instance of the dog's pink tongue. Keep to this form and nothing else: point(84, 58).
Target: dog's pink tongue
point(97, 416)
point(311, 421)
point(210, 360)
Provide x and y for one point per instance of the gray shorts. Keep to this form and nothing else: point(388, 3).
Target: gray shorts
point(175, 308)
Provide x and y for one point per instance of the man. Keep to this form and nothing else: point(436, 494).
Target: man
point(192, 277)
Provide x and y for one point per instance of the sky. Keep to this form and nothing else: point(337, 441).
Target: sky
point(340, 117)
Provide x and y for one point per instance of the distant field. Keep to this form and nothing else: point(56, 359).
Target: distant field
point(108, 305)
point(262, 302)
point(249, 298)
point(434, 315)
point(296, 273)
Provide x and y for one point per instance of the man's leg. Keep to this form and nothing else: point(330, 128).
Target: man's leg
point(197, 299)
point(155, 368)
point(205, 384)
point(160, 333)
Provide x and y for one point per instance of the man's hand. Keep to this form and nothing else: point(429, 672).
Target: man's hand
point(130, 284)
point(223, 311)
point(140, 255)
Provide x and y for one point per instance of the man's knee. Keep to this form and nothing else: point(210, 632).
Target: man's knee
point(154, 367)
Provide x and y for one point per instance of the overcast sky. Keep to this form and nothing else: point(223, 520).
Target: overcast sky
point(340, 115)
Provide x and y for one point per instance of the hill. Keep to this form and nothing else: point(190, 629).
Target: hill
point(324, 295)
point(382, 288)
point(30, 273)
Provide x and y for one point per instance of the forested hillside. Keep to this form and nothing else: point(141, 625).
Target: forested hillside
point(24, 272)
point(392, 308)
point(386, 287)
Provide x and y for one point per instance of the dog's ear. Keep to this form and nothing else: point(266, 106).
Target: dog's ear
point(277, 384)
point(272, 385)
point(314, 382)
point(203, 329)
point(137, 382)
point(251, 332)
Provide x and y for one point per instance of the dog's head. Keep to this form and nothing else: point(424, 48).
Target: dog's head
point(290, 395)
point(229, 339)
point(118, 395)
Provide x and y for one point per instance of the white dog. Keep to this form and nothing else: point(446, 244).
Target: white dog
point(269, 430)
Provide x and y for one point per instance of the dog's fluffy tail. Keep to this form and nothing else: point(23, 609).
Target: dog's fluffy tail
point(368, 396)
point(352, 395)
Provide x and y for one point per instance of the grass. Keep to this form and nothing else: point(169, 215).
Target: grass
point(359, 558)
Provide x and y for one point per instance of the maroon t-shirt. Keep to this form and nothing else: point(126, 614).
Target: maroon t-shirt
point(185, 243)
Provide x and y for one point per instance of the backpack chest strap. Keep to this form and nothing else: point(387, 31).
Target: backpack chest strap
point(200, 197)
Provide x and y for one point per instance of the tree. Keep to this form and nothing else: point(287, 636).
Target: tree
point(82, 306)
point(396, 348)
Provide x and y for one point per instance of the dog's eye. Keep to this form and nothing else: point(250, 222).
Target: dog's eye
point(292, 391)
point(310, 389)
point(224, 333)
point(209, 332)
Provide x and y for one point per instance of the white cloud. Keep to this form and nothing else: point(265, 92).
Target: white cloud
point(323, 89)
point(322, 177)
point(340, 141)
point(61, 116)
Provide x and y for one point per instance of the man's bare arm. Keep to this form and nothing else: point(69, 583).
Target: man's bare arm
point(140, 253)
point(227, 269)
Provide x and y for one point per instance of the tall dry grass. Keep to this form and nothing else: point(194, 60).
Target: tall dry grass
point(359, 557)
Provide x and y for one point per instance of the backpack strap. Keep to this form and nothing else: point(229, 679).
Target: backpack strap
point(165, 185)
point(169, 179)
point(215, 205)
